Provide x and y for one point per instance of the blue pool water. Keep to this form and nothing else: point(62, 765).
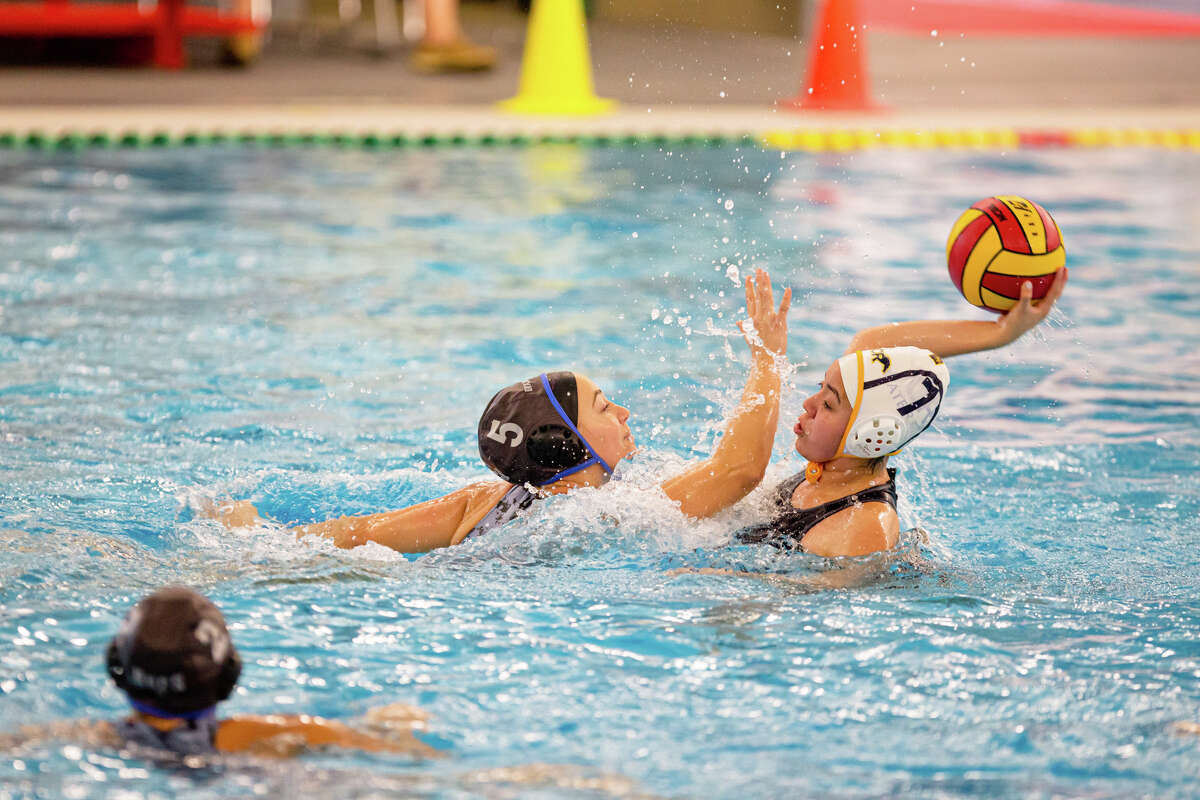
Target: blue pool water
point(317, 331)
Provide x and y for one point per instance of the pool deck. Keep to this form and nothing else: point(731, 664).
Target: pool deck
point(667, 81)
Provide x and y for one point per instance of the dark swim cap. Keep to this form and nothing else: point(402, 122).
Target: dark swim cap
point(529, 431)
point(173, 655)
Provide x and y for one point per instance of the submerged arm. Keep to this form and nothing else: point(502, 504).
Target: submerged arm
point(852, 575)
point(949, 338)
point(93, 733)
point(740, 459)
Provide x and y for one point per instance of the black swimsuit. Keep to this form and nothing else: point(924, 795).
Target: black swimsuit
point(787, 528)
point(515, 500)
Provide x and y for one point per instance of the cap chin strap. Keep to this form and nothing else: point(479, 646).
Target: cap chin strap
point(814, 469)
point(189, 716)
point(858, 396)
point(595, 459)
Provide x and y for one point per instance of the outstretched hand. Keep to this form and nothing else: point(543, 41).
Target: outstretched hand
point(233, 514)
point(768, 329)
point(1026, 315)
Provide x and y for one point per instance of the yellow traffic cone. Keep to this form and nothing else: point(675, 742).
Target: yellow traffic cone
point(556, 71)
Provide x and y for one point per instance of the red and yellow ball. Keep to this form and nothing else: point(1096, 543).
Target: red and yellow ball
point(998, 244)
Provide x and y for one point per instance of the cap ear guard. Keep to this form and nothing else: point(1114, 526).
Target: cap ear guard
point(555, 447)
point(120, 649)
point(231, 670)
point(874, 437)
point(116, 664)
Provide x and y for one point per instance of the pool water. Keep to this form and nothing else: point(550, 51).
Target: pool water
point(317, 331)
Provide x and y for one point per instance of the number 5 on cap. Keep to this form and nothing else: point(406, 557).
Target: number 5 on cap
point(499, 433)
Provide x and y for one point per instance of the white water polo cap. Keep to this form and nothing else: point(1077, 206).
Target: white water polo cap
point(896, 393)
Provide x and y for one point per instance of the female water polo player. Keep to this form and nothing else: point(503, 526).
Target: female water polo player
point(556, 432)
point(873, 401)
point(174, 660)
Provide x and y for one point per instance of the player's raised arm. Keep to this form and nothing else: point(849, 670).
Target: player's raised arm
point(957, 337)
point(1005, 254)
point(741, 457)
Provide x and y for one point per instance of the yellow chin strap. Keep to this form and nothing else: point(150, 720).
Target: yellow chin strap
point(841, 451)
point(814, 470)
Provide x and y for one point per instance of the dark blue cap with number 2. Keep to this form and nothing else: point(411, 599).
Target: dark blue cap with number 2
point(529, 431)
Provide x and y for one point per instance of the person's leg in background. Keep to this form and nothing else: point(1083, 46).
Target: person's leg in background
point(445, 48)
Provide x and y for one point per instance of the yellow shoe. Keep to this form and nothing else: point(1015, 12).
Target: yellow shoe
point(460, 56)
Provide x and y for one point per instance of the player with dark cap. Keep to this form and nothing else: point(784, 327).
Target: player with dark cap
point(529, 436)
point(175, 661)
point(529, 431)
point(557, 431)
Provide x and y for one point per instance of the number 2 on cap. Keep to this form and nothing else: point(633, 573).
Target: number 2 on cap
point(499, 433)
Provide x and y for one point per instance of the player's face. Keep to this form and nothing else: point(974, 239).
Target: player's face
point(603, 423)
point(826, 414)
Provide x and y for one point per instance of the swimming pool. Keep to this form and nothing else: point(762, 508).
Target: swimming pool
point(317, 331)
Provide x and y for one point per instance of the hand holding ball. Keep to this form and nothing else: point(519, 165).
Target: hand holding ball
point(998, 244)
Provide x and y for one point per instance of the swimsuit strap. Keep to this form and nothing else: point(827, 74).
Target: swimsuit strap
point(515, 500)
point(785, 490)
point(789, 527)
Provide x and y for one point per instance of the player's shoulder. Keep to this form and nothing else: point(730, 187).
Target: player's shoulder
point(855, 531)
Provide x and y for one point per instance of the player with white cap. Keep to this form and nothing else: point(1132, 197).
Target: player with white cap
point(874, 400)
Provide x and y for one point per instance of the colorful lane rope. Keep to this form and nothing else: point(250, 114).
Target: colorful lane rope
point(813, 140)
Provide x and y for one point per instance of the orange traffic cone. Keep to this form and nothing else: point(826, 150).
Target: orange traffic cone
point(837, 66)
